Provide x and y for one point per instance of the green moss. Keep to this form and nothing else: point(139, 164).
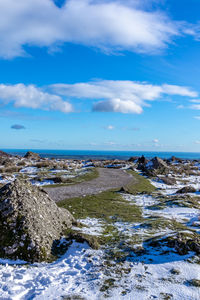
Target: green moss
point(44, 255)
point(90, 175)
point(109, 206)
point(142, 185)
point(157, 223)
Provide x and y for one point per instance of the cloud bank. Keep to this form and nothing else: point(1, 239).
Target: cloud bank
point(104, 95)
point(120, 96)
point(108, 25)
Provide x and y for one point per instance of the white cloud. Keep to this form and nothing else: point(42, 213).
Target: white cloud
point(117, 105)
point(110, 143)
point(197, 117)
point(32, 97)
point(120, 96)
point(197, 142)
point(109, 25)
point(195, 100)
point(155, 141)
point(178, 90)
point(181, 106)
point(195, 106)
point(110, 127)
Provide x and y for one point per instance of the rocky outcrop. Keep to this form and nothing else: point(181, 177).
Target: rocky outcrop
point(157, 163)
point(152, 167)
point(30, 222)
point(175, 159)
point(187, 189)
point(32, 155)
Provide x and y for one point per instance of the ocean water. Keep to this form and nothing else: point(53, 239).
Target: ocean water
point(94, 154)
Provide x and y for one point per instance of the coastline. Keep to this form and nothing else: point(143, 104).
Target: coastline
point(102, 154)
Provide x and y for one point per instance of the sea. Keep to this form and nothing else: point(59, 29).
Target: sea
point(101, 155)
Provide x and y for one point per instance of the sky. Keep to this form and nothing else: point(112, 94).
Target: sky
point(100, 75)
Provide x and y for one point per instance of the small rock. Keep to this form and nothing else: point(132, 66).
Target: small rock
point(186, 189)
point(168, 180)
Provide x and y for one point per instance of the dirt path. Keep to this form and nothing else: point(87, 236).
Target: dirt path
point(108, 179)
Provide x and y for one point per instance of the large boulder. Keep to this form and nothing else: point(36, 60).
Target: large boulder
point(30, 222)
point(32, 155)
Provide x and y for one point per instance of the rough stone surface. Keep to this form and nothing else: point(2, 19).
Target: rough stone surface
point(186, 189)
point(32, 155)
point(158, 163)
point(184, 243)
point(30, 222)
point(169, 180)
point(175, 159)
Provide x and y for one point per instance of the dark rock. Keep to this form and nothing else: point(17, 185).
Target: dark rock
point(184, 243)
point(186, 189)
point(32, 155)
point(174, 158)
point(142, 160)
point(133, 158)
point(141, 163)
point(30, 222)
point(157, 163)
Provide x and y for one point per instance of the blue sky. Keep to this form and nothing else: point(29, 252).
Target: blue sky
point(89, 74)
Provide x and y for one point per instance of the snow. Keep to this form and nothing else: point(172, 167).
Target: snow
point(92, 226)
point(29, 170)
point(180, 214)
point(68, 275)
point(7, 179)
point(42, 183)
point(78, 272)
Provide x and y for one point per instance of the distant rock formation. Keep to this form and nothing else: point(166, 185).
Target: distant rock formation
point(133, 158)
point(187, 189)
point(157, 163)
point(32, 155)
point(175, 159)
point(4, 154)
point(152, 167)
point(30, 222)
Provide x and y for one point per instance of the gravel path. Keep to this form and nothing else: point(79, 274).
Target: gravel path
point(108, 179)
